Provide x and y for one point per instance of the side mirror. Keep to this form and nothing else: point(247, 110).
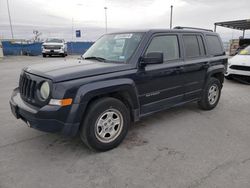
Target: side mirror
point(152, 58)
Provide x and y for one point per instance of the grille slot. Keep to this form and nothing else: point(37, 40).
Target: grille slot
point(239, 67)
point(53, 47)
point(27, 87)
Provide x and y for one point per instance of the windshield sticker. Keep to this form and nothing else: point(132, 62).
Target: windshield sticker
point(244, 52)
point(121, 57)
point(123, 36)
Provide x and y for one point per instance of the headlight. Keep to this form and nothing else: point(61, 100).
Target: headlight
point(45, 90)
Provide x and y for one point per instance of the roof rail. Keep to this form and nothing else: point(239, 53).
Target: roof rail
point(195, 28)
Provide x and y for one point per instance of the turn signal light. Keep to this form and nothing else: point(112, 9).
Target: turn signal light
point(61, 102)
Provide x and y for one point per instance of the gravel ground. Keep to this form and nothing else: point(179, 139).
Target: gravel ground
point(182, 147)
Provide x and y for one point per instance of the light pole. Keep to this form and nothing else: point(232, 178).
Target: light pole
point(171, 16)
point(11, 29)
point(72, 29)
point(106, 19)
point(72, 33)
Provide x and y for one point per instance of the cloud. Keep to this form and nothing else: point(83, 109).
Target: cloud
point(88, 15)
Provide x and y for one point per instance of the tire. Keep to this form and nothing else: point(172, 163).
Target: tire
point(101, 132)
point(211, 94)
point(63, 55)
point(44, 55)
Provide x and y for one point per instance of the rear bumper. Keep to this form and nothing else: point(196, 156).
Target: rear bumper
point(43, 119)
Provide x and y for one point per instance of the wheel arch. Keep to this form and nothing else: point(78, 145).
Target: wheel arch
point(122, 89)
point(217, 72)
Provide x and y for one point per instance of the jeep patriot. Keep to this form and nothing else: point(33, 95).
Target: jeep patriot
point(121, 78)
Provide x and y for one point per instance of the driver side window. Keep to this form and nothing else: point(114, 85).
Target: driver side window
point(168, 45)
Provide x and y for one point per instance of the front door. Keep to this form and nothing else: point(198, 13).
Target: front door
point(161, 86)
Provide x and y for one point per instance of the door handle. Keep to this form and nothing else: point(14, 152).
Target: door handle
point(179, 69)
point(168, 72)
point(206, 65)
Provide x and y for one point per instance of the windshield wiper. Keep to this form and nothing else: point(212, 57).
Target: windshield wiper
point(95, 58)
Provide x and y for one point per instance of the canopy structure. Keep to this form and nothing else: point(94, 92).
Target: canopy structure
point(242, 25)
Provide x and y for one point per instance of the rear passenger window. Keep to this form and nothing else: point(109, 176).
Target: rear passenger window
point(214, 45)
point(168, 45)
point(191, 46)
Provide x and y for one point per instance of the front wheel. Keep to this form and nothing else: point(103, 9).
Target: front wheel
point(105, 124)
point(211, 94)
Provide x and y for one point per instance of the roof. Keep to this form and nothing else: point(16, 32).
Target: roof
point(237, 24)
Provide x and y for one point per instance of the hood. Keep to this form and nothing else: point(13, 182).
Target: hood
point(70, 69)
point(243, 60)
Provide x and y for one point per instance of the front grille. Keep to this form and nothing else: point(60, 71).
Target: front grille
point(27, 87)
point(53, 47)
point(239, 67)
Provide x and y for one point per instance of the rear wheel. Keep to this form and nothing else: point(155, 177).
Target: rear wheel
point(44, 55)
point(211, 94)
point(105, 124)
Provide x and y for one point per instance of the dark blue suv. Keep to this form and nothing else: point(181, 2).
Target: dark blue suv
point(122, 77)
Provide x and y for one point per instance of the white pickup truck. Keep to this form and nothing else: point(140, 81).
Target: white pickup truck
point(54, 47)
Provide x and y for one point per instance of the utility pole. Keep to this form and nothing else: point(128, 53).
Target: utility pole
point(106, 19)
point(11, 29)
point(171, 17)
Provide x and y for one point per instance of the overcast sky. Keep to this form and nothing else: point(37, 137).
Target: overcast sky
point(54, 17)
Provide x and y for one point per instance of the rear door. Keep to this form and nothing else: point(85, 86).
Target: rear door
point(195, 65)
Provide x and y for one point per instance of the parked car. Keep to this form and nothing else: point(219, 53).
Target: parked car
point(1, 50)
point(54, 47)
point(120, 79)
point(239, 66)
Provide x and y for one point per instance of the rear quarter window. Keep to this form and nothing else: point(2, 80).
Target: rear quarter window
point(214, 45)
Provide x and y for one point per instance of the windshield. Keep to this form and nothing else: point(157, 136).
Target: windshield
point(54, 40)
point(245, 51)
point(114, 47)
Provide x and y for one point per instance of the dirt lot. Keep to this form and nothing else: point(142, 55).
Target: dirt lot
point(179, 148)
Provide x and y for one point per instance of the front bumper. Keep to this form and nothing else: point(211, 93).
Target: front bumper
point(236, 72)
point(53, 51)
point(45, 118)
